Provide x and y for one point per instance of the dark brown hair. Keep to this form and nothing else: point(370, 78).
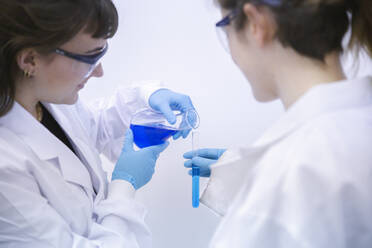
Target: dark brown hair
point(45, 25)
point(315, 28)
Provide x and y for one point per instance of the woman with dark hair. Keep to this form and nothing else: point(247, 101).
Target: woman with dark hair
point(53, 190)
point(307, 181)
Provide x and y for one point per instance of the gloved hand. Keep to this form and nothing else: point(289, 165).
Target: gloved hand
point(136, 167)
point(165, 101)
point(203, 159)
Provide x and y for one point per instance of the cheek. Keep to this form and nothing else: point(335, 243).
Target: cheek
point(68, 72)
point(234, 49)
point(59, 81)
point(253, 69)
point(242, 58)
point(240, 53)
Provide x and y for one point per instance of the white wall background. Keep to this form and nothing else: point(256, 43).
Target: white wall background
point(175, 41)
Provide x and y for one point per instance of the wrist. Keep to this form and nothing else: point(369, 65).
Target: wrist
point(120, 175)
point(120, 189)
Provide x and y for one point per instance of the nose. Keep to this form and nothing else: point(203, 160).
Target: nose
point(98, 71)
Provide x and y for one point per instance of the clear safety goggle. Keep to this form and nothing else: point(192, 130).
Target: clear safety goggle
point(221, 28)
point(92, 61)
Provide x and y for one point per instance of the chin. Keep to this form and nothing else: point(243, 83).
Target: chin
point(262, 97)
point(262, 93)
point(72, 100)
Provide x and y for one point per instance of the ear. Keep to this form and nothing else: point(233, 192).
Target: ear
point(26, 60)
point(261, 23)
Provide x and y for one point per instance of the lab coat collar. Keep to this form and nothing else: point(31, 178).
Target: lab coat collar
point(319, 100)
point(46, 145)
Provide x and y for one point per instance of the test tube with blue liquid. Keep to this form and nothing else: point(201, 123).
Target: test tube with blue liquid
point(195, 171)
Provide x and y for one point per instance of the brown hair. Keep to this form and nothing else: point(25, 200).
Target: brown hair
point(46, 25)
point(315, 28)
point(361, 36)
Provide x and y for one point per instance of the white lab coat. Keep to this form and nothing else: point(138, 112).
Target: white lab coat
point(307, 182)
point(47, 196)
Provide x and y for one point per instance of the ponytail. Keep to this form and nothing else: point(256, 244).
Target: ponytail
point(361, 36)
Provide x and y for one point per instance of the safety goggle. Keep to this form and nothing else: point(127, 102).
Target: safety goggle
point(92, 60)
point(220, 28)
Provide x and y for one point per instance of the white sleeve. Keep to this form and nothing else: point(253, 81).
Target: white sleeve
point(309, 194)
point(228, 175)
point(106, 120)
point(28, 220)
point(122, 214)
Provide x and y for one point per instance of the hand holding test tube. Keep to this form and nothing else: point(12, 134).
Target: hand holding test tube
point(200, 160)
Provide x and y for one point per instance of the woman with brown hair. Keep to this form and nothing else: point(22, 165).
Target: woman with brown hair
point(53, 190)
point(307, 181)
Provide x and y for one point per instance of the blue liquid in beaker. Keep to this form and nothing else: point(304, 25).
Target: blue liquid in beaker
point(150, 135)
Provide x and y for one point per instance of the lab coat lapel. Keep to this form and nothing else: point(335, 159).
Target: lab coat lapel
point(94, 163)
point(86, 154)
point(46, 146)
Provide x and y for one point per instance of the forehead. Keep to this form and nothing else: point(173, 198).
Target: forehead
point(83, 42)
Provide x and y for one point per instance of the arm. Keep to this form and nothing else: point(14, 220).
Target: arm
point(28, 220)
point(107, 119)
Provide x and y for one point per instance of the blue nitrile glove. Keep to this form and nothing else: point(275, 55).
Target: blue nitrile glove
point(205, 157)
point(136, 167)
point(165, 101)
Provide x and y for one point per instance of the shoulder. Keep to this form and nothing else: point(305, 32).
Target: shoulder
point(336, 142)
point(344, 129)
point(15, 154)
point(333, 147)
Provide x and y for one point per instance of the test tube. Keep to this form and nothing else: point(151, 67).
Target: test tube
point(195, 171)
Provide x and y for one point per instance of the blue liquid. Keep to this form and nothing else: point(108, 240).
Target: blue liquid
point(195, 186)
point(150, 135)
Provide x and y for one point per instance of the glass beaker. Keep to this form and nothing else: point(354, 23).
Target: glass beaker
point(151, 128)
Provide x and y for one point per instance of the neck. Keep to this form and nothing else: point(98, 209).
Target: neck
point(297, 75)
point(26, 100)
